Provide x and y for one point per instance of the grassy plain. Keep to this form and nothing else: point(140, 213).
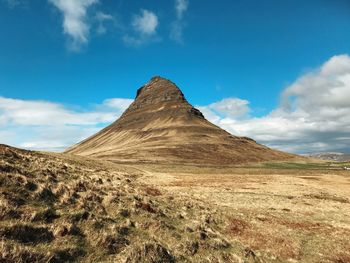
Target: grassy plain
point(64, 208)
point(289, 212)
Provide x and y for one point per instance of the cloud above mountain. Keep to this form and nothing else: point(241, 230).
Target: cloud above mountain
point(176, 32)
point(314, 114)
point(75, 20)
point(81, 18)
point(53, 126)
point(102, 18)
point(145, 27)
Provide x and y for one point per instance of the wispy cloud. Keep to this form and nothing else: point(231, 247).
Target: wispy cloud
point(176, 32)
point(314, 114)
point(78, 19)
point(13, 3)
point(101, 19)
point(52, 126)
point(181, 7)
point(145, 26)
point(75, 21)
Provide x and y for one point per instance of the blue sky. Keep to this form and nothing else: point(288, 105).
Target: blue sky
point(235, 60)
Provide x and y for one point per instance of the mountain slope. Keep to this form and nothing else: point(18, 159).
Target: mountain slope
point(161, 126)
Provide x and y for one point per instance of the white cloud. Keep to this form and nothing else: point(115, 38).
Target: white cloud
point(314, 114)
point(146, 23)
point(52, 126)
point(231, 107)
point(102, 16)
point(75, 23)
point(176, 32)
point(181, 7)
point(101, 19)
point(327, 88)
point(117, 103)
point(55, 138)
point(145, 26)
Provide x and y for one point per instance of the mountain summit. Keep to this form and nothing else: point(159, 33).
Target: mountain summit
point(160, 126)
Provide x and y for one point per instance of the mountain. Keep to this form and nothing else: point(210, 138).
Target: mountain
point(331, 156)
point(161, 126)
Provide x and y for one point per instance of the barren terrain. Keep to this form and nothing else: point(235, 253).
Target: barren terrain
point(287, 212)
point(65, 208)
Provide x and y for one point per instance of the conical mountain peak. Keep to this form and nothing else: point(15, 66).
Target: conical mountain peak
point(161, 126)
point(162, 96)
point(159, 89)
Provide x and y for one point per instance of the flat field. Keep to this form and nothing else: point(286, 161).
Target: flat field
point(293, 212)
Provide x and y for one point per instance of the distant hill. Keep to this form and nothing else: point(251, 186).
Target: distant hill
point(332, 156)
point(160, 126)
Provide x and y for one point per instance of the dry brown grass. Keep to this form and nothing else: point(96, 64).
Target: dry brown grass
point(237, 226)
point(150, 190)
point(61, 208)
point(296, 213)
